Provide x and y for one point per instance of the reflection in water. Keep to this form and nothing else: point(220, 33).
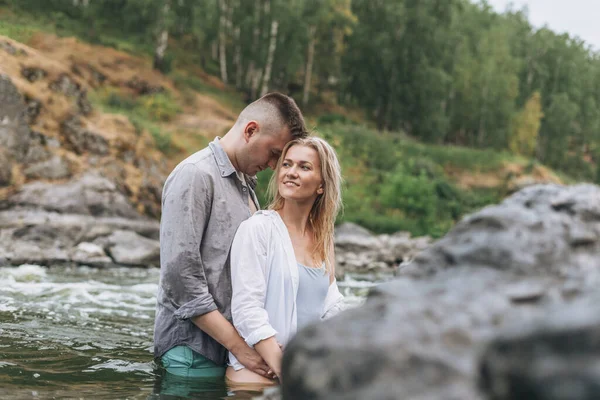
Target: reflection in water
point(87, 333)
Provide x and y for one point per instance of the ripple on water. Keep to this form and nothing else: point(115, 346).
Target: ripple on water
point(23, 273)
point(122, 366)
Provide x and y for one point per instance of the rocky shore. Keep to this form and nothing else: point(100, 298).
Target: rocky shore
point(87, 221)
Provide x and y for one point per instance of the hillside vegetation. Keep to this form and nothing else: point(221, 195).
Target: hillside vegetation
point(392, 180)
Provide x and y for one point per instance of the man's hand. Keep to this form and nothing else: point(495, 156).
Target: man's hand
point(250, 359)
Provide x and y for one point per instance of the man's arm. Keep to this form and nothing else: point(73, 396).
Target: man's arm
point(185, 213)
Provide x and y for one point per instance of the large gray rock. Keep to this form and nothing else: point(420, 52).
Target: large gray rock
point(129, 248)
point(360, 251)
point(422, 335)
point(90, 194)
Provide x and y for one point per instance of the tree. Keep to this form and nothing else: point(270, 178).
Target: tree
point(162, 38)
point(526, 126)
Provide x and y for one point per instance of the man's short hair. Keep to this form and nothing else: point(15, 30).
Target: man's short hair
point(279, 109)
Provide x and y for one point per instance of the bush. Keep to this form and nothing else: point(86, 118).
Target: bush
point(159, 107)
point(162, 140)
point(116, 100)
point(332, 118)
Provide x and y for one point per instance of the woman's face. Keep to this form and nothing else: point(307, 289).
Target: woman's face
point(300, 174)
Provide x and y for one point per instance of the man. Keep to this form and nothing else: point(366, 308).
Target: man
point(204, 200)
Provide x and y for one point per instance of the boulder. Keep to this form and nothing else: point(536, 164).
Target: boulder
point(90, 194)
point(54, 168)
point(86, 253)
point(360, 251)
point(422, 335)
point(83, 140)
point(129, 248)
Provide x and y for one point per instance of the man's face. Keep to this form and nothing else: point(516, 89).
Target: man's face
point(263, 150)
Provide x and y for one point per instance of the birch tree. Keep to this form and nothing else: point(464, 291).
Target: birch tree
point(162, 37)
point(222, 40)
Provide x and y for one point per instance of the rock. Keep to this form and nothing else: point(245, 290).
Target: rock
point(556, 359)
point(54, 168)
point(83, 104)
point(129, 248)
point(74, 227)
point(33, 74)
point(66, 85)
point(81, 139)
point(90, 194)
point(354, 238)
point(38, 150)
point(8, 47)
point(358, 250)
point(500, 269)
point(5, 168)
point(14, 131)
point(12, 50)
point(90, 254)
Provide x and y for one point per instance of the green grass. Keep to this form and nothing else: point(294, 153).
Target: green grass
point(145, 113)
point(228, 98)
point(459, 157)
point(21, 26)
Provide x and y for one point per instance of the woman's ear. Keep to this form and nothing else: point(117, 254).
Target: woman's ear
point(320, 190)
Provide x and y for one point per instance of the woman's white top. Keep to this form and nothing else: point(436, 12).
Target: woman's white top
point(264, 279)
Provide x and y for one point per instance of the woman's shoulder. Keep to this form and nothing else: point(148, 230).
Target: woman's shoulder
point(259, 221)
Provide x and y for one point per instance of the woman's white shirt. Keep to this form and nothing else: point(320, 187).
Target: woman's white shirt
point(264, 279)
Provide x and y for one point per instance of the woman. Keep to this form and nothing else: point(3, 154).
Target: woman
point(282, 261)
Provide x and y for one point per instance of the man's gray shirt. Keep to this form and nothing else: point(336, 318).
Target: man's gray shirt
point(204, 201)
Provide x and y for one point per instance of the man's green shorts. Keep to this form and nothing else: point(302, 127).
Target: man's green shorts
point(183, 361)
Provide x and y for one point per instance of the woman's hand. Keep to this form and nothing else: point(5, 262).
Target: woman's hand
point(251, 359)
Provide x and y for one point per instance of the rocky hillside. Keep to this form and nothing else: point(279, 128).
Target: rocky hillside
point(61, 134)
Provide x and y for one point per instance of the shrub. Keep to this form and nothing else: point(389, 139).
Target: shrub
point(159, 107)
point(162, 140)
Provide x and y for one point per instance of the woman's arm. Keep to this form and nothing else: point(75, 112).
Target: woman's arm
point(271, 352)
point(248, 280)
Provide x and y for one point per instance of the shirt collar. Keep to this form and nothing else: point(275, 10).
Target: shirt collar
point(223, 162)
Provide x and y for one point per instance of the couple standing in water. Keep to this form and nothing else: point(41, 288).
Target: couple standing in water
point(237, 283)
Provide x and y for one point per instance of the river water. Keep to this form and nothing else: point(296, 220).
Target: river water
point(86, 333)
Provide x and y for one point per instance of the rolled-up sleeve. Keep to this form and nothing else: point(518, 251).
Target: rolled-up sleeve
point(334, 302)
point(248, 280)
point(185, 213)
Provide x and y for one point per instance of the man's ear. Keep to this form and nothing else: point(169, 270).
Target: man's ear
point(250, 130)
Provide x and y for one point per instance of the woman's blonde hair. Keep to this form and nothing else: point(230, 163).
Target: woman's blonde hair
point(324, 211)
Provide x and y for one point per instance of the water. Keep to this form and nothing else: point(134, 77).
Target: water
point(79, 332)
